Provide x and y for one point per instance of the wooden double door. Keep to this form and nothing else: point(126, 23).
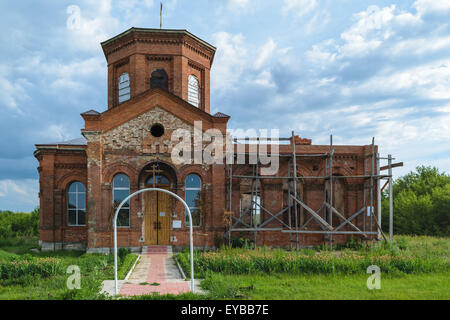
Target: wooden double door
point(158, 213)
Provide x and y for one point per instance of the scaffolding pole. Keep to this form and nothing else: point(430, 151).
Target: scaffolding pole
point(294, 174)
point(370, 180)
point(391, 205)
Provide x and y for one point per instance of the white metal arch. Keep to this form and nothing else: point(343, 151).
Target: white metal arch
point(190, 233)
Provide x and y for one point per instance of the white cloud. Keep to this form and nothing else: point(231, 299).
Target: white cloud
point(429, 81)
point(411, 138)
point(96, 25)
point(19, 194)
point(238, 62)
point(264, 78)
point(265, 53)
point(136, 10)
point(13, 93)
point(379, 31)
point(238, 3)
point(374, 27)
point(420, 46)
point(318, 22)
point(230, 59)
point(236, 7)
point(59, 75)
point(427, 6)
point(322, 54)
point(299, 7)
point(54, 133)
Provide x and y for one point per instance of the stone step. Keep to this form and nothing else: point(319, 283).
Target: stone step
point(155, 249)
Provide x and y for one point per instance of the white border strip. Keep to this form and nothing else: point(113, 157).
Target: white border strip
point(132, 268)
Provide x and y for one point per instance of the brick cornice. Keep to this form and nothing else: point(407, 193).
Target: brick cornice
point(165, 37)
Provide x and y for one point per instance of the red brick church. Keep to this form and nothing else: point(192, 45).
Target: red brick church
point(158, 82)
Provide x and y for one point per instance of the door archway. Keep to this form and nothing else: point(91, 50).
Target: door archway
point(157, 207)
point(191, 244)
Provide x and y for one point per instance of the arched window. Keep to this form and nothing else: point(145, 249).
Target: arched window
point(121, 190)
point(124, 87)
point(193, 186)
point(159, 79)
point(193, 91)
point(76, 204)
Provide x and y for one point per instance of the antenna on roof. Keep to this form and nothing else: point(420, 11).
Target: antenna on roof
point(160, 16)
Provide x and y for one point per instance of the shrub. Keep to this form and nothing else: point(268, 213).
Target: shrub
point(44, 267)
point(14, 224)
point(421, 203)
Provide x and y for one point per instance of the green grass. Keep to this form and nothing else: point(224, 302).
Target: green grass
point(411, 268)
point(326, 287)
point(42, 275)
point(409, 255)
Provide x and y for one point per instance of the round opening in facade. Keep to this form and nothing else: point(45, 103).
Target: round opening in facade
point(157, 130)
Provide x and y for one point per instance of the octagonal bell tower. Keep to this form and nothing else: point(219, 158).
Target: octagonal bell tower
point(177, 61)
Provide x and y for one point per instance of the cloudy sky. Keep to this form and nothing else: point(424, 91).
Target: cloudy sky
point(351, 68)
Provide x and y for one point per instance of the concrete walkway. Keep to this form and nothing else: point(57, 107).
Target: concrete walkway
point(156, 272)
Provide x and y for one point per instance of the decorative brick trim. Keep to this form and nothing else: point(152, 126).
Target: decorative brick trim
point(151, 57)
point(71, 166)
point(195, 66)
point(122, 62)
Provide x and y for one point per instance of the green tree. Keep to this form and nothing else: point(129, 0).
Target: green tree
point(421, 203)
point(14, 224)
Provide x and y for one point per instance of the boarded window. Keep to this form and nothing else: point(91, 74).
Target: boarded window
point(159, 79)
point(193, 91)
point(124, 87)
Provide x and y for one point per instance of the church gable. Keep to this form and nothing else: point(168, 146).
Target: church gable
point(137, 134)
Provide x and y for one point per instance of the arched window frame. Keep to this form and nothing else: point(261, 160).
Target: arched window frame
point(123, 219)
point(124, 87)
point(194, 91)
point(195, 210)
point(76, 192)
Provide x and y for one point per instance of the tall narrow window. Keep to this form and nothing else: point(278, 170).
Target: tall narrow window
point(193, 91)
point(193, 186)
point(124, 87)
point(76, 204)
point(121, 190)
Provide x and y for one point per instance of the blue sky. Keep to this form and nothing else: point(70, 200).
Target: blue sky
point(354, 69)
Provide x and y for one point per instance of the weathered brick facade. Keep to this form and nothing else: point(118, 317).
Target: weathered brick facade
point(119, 141)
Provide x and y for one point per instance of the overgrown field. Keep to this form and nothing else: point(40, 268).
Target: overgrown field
point(43, 275)
point(411, 268)
point(410, 255)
